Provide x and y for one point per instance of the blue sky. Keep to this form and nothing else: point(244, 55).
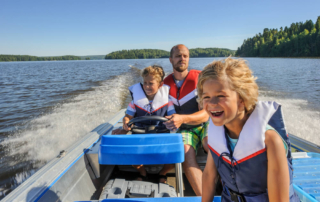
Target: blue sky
point(98, 27)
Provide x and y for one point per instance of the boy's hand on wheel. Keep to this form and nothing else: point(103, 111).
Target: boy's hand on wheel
point(125, 126)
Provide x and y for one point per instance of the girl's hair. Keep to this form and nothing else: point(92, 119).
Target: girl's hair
point(154, 70)
point(238, 75)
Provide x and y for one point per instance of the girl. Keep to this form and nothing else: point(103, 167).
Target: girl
point(252, 158)
point(149, 98)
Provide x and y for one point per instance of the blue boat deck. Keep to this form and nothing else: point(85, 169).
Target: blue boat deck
point(306, 176)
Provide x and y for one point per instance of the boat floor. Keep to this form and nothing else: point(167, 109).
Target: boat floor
point(171, 180)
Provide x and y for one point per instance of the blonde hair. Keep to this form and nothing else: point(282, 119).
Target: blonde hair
point(154, 70)
point(239, 77)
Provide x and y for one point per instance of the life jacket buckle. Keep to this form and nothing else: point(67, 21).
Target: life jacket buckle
point(236, 197)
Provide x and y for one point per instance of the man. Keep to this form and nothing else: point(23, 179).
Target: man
point(189, 120)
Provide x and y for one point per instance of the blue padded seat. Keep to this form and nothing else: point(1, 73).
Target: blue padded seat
point(144, 149)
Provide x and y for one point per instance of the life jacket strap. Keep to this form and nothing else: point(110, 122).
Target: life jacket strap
point(235, 197)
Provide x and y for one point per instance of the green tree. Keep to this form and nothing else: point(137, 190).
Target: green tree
point(317, 24)
point(300, 39)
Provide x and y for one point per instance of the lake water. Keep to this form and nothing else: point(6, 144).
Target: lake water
point(46, 106)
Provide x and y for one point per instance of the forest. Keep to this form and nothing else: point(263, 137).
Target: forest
point(211, 52)
point(156, 53)
point(92, 57)
point(35, 58)
point(298, 40)
point(138, 54)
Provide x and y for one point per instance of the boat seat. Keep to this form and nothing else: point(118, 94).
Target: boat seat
point(93, 164)
point(146, 149)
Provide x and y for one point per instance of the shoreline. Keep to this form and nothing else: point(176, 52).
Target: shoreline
point(164, 58)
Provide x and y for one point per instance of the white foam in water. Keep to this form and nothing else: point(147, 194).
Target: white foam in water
point(64, 125)
point(300, 121)
point(68, 122)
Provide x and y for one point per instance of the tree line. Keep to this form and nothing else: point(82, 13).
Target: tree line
point(138, 54)
point(156, 53)
point(211, 52)
point(35, 58)
point(298, 40)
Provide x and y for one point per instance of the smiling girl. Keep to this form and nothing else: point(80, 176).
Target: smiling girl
point(252, 158)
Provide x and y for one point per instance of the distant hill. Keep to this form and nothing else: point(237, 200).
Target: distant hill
point(211, 52)
point(138, 54)
point(156, 53)
point(49, 58)
point(93, 57)
point(35, 58)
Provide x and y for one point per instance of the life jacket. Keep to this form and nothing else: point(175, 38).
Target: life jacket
point(184, 98)
point(158, 106)
point(244, 171)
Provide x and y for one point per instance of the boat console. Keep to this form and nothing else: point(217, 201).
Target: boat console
point(146, 149)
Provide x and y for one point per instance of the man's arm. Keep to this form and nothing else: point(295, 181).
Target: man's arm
point(176, 120)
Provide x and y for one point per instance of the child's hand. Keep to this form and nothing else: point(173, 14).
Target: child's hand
point(174, 122)
point(125, 123)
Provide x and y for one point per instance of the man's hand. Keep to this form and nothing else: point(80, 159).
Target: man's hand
point(174, 122)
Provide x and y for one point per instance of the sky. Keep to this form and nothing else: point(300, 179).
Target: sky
point(98, 27)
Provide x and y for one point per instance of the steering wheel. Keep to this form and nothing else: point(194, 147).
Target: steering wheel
point(148, 128)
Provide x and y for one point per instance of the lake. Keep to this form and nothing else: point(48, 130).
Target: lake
point(46, 106)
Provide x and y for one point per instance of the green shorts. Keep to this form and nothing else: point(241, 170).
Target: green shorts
point(194, 136)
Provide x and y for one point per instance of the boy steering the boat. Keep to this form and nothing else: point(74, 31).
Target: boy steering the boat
point(252, 158)
point(149, 98)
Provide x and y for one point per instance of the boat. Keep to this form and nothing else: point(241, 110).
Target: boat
point(98, 168)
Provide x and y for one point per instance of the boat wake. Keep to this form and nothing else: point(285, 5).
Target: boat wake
point(299, 118)
point(28, 150)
